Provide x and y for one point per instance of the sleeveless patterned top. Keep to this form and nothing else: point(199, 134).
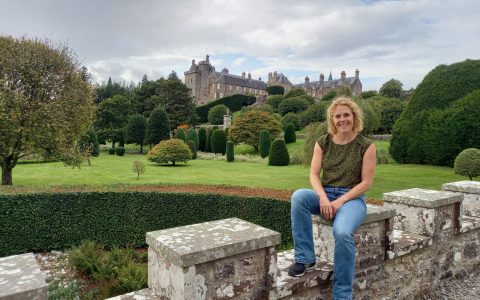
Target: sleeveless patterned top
point(342, 164)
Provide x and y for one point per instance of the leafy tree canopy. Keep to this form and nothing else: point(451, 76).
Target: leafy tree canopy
point(392, 89)
point(112, 117)
point(46, 102)
point(275, 90)
point(216, 113)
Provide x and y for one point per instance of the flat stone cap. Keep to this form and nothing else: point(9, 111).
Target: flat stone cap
point(423, 197)
point(21, 276)
point(199, 243)
point(374, 213)
point(470, 187)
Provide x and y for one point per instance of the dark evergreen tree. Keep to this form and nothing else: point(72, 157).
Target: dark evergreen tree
point(278, 155)
point(264, 143)
point(219, 141)
point(230, 151)
point(202, 139)
point(89, 141)
point(193, 148)
point(112, 118)
point(208, 143)
point(275, 90)
point(180, 134)
point(136, 130)
point(290, 136)
point(192, 136)
point(158, 127)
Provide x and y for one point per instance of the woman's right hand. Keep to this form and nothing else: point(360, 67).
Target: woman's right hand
point(326, 209)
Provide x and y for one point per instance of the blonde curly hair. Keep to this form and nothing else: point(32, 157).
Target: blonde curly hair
point(356, 110)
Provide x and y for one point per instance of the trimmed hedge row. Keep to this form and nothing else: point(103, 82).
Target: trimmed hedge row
point(233, 102)
point(47, 221)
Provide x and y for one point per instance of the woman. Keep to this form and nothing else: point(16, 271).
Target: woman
point(346, 161)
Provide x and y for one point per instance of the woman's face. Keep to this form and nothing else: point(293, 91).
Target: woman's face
point(343, 119)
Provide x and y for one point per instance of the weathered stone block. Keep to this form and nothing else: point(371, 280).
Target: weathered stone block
point(21, 278)
point(372, 239)
point(471, 196)
point(426, 212)
point(213, 260)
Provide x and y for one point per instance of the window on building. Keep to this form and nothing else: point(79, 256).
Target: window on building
point(221, 95)
point(238, 88)
point(215, 95)
point(218, 86)
point(230, 87)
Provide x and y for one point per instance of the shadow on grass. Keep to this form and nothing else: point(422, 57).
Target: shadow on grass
point(170, 165)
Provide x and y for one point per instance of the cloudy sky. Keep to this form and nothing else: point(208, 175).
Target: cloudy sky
point(125, 39)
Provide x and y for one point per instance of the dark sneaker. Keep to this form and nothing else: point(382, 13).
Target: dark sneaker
point(298, 269)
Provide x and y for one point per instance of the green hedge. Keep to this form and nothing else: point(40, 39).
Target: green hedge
point(233, 102)
point(47, 221)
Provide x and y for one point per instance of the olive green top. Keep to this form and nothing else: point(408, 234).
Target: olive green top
point(342, 164)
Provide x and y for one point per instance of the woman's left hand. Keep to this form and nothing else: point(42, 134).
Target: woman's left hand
point(336, 205)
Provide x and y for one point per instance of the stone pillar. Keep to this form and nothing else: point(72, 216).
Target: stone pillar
point(430, 213)
point(227, 121)
point(214, 260)
point(471, 196)
point(373, 239)
point(21, 278)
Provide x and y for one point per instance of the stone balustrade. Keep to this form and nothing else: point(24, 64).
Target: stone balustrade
point(417, 239)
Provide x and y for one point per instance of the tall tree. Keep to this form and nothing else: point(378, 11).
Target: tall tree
point(392, 89)
point(136, 129)
point(112, 118)
point(46, 102)
point(158, 126)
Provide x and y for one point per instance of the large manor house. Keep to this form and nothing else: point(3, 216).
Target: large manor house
point(207, 84)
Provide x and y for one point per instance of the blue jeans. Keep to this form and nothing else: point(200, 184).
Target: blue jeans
point(347, 219)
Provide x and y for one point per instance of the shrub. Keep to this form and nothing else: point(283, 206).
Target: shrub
point(111, 151)
point(264, 143)
point(275, 100)
point(290, 136)
point(314, 113)
point(264, 107)
point(180, 134)
point(86, 257)
point(208, 143)
point(278, 155)
point(329, 96)
point(120, 151)
point(193, 148)
point(295, 104)
point(438, 91)
point(371, 117)
point(389, 109)
point(60, 220)
point(233, 102)
point(230, 151)
point(275, 90)
point(173, 150)
point(246, 128)
point(467, 163)
point(202, 139)
point(391, 89)
point(291, 118)
point(216, 113)
point(138, 167)
point(295, 92)
point(313, 132)
point(192, 136)
point(58, 289)
point(219, 141)
point(368, 94)
point(296, 159)
point(132, 277)
point(158, 126)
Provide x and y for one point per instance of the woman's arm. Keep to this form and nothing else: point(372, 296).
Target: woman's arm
point(368, 171)
point(326, 208)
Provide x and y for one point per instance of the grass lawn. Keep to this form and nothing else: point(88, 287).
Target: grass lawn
point(112, 169)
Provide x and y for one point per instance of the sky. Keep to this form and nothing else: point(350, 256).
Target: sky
point(125, 39)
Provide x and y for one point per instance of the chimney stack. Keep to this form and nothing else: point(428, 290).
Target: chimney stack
point(243, 74)
point(357, 73)
point(249, 76)
point(322, 78)
point(343, 75)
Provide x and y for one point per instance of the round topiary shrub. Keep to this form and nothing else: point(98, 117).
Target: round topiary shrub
point(295, 104)
point(120, 151)
point(467, 163)
point(202, 139)
point(264, 142)
point(216, 113)
point(278, 155)
point(314, 113)
point(275, 90)
point(290, 136)
point(219, 141)
point(173, 150)
point(180, 134)
point(193, 148)
point(275, 100)
point(111, 151)
point(230, 151)
point(208, 142)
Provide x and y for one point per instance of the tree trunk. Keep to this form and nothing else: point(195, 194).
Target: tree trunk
point(141, 148)
point(7, 172)
point(113, 144)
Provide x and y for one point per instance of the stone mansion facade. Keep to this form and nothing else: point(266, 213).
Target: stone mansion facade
point(207, 84)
